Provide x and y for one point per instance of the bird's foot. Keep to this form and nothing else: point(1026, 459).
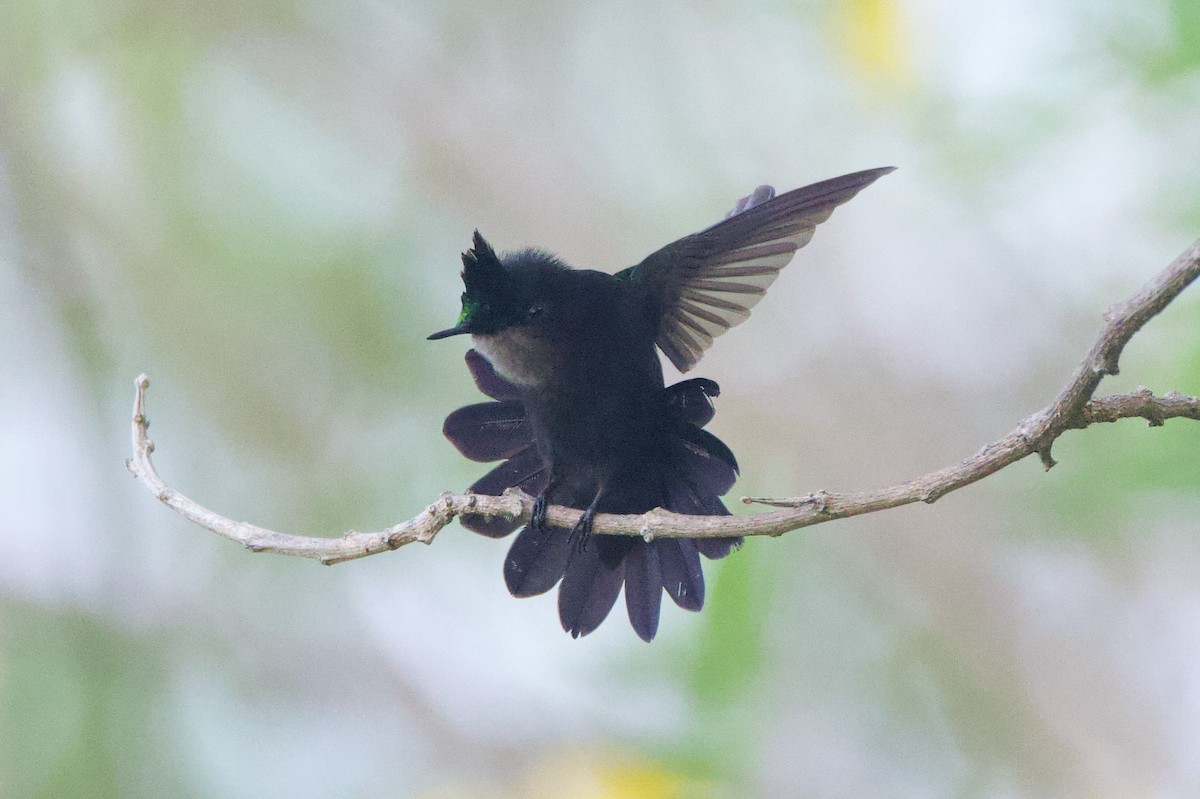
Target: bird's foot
point(581, 533)
point(537, 517)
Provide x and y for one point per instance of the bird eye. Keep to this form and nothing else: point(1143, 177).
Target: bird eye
point(535, 311)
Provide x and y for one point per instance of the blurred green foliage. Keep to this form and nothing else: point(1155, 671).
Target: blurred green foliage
point(262, 204)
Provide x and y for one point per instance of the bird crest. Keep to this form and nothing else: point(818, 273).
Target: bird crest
point(486, 280)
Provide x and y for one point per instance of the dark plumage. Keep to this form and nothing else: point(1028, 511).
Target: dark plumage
point(581, 417)
point(697, 468)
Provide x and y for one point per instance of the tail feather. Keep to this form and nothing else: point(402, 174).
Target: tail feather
point(525, 470)
point(495, 527)
point(643, 589)
point(536, 561)
point(717, 548)
point(588, 592)
point(489, 431)
point(691, 400)
point(709, 476)
point(710, 444)
point(696, 470)
point(613, 548)
point(679, 563)
point(487, 380)
point(682, 496)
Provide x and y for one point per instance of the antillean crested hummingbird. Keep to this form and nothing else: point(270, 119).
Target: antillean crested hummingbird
point(581, 416)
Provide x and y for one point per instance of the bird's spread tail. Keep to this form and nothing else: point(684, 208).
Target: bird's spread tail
point(690, 479)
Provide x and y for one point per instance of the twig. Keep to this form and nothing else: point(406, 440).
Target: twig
point(1074, 408)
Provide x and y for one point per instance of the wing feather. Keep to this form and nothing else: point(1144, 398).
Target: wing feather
point(708, 282)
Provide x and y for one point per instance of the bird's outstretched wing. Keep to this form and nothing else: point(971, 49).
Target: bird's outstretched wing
point(706, 283)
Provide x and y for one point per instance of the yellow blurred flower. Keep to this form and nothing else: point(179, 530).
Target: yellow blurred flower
point(578, 774)
point(874, 37)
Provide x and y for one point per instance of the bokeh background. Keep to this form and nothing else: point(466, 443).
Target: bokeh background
point(262, 206)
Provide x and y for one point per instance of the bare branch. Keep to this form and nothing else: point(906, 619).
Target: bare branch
point(1074, 408)
point(1123, 321)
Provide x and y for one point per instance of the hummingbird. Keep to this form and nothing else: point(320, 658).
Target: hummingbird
point(580, 413)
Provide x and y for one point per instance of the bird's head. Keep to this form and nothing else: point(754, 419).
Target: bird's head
point(501, 295)
point(521, 311)
point(490, 302)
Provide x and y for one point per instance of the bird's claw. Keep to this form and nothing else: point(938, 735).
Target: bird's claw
point(581, 533)
point(537, 517)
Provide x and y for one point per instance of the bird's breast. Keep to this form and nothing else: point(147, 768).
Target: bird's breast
point(521, 356)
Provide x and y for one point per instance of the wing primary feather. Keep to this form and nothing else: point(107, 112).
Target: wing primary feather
point(754, 251)
point(734, 271)
point(761, 281)
point(675, 352)
point(727, 286)
point(706, 315)
point(716, 302)
point(686, 340)
point(740, 256)
point(695, 329)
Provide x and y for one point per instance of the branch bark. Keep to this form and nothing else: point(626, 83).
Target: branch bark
point(1073, 408)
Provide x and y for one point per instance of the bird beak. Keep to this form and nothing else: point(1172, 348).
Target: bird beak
point(450, 331)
